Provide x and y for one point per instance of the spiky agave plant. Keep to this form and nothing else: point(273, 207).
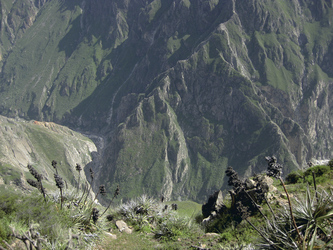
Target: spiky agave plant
point(275, 170)
point(277, 236)
point(314, 216)
point(310, 216)
point(314, 219)
point(141, 212)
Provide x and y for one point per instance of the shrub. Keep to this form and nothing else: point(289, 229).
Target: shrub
point(330, 164)
point(322, 173)
point(8, 204)
point(224, 221)
point(8, 208)
point(172, 226)
point(54, 225)
point(148, 215)
point(294, 177)
point(4, 231)
point(318, 170)
point(140, 212)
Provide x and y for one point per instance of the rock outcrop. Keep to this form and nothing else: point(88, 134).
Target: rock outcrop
point(214, 205)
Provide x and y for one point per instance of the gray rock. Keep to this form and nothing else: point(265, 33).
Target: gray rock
point(212, 235)
point(112, 236)
point(122, 226)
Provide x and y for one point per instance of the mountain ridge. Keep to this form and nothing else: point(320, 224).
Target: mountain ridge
point(179, 90)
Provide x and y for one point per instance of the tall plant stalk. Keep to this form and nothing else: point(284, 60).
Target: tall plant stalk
point(270, 208)
point(101, 191)
point(314, 184)
point(261, 234)
point(275, 170)
point(37, 184)
point(291, 209)
point(255, 204)
point(84, 191)
point(60, 185)
point(116, 193)
point(91, 184)
point(78, 168)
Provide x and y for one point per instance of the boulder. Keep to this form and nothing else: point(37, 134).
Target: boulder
point(269, 181)
point(122, 227)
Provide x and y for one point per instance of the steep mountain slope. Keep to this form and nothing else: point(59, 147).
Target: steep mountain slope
point(179, 89)
point(37, 144)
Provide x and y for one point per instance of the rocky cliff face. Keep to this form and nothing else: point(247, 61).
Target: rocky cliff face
point(179, 90)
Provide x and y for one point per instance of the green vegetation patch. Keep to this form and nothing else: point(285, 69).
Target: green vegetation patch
point(187, 208)
point(46, 142)
point(154, 7)
point(9, 174)
point(279, 78)
point(323, 175)
point(174, 43)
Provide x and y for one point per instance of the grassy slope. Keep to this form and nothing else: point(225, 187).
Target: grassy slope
point(38, 144)
point(229, 234)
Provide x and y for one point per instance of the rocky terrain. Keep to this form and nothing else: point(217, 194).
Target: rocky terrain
point(175, 90)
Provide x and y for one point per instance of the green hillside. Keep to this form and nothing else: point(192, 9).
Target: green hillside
point(174, 91)
point(38, 144)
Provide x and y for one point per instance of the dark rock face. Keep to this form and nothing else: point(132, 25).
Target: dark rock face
point(178, 90)
point(214, 205)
